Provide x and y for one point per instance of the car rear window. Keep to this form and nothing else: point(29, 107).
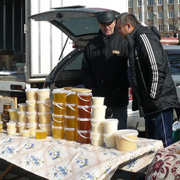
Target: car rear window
point(81, 26)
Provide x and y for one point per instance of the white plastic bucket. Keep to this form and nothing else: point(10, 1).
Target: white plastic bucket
point(59, 96)
point(11, 125)
point(97, 126)
point(44, 118)
point(97, 101)
point(32, 106)
point(126, 139)
point(25, 133)
point(21, 126)
point(109, 140)
point(13, 114)
point(98, 112)
point(43, 94)
point(22, 117)
point(44, 106)
point(110, 126)
point(32, 127)
point(31, 94)
point(97, 139)
point(11, 131)
point(22, 107)
point(32, 117)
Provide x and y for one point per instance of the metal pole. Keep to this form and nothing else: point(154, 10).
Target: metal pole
point(142, 11)
point(4, 24)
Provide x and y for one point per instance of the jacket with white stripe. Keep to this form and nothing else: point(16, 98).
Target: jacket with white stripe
point(151, 77)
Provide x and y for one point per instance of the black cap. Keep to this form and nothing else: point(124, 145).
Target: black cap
point(106, 17)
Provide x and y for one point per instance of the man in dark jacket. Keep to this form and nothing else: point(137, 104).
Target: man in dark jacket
point(151, 78)
point(104, 68)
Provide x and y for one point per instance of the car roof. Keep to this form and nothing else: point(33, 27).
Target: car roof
point(172, 49)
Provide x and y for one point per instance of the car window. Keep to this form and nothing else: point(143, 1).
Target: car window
point(75, 64)
point(81, 26)
point(174, 60)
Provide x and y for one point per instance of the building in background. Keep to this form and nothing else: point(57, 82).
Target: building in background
point(163, 14)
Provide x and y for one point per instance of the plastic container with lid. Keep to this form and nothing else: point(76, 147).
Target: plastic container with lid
point(32, 117)
point(126, 139)
point(98, 101)
point(44, 117)
point(13, 114)
point(98, 112)
point(32, 127)
point(44, 106)
point(84, 111)
point(58, 132)
point(84, 137)
point(97, 139)
point(109, 140)
point(22, 117)
point(58, 120)
point(25, 133)
point(22, 107)
point(84, 99)
point(21, 126)
point(40, 134)
point(71, 110)
point(59, 96)
point(71, 97)
point(31, 94)
point(43, 94)
point(11, 125)
point(11, 131)
point(59, 108)
point(32, 106)
point(71, 134)
point(97, 126)
point(110, 125)
point(71, 121)
point(84, 124)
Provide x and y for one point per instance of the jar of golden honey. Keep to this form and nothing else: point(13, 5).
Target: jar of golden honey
point(71, 121)
point(71, 97)
point(71, 110)
point(59, 96)
point(40, 133)
point(58, 108)
point(58, 132)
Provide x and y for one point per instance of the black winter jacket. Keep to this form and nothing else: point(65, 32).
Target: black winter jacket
point(151, 77)
point(104, 68)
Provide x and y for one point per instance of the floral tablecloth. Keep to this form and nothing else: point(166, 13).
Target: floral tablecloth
point(165, 165)
point(60, 159)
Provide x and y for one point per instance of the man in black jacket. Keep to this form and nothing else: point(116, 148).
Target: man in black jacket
point(151, 78)
point(104, 68)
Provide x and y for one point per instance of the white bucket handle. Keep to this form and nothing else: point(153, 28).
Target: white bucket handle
point(36, 117)
point(56, 120)
point(68, 94)
point(84, 99)
point(96, 138)
point(86, 110)
point(83, 136)
point(31, 104)
point(29, 125)
point(129, 139)
point(96, 126)
point(41, 94)
point(46, 104)
point(71, 108)
point(59, 106)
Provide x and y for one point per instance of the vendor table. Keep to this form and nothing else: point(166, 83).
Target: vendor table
point(166, 164)
point(61, 159)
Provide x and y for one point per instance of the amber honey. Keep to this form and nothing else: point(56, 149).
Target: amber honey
point(58, 132)
point(84, 137)
point(84, 111)
point(58, 108)
point(71, 134)
point(71, 97)
point(71, 110)
point(40, 134)
point(71, 122)
point(84, 99)
point(58, 120)
point(59, 96)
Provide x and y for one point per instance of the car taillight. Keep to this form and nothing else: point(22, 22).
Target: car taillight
point(130, 94)
point(74, 45)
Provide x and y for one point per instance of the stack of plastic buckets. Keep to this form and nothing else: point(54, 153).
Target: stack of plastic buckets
point(97, 121)
point(44, 110)
point(110, 127)
point(71, 113)
point(84, 116)
point(59, 99)
point(22, 120)
point(32, 110)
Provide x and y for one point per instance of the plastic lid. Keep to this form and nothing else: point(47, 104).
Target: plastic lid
point(21, 112)
point(42, 113)
point(13, 109)
point(46, 101)
point(45, 89)
point(28, 113)
point(57, 115)
point(31, 89)
point(70, 117)
point(85, 93)
point(59, 91)
point(70, 129)
point(57, 127)
point(126, 132)
point(107, 121)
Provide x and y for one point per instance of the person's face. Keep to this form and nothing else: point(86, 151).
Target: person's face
point(122, 29)
point(108, 29)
